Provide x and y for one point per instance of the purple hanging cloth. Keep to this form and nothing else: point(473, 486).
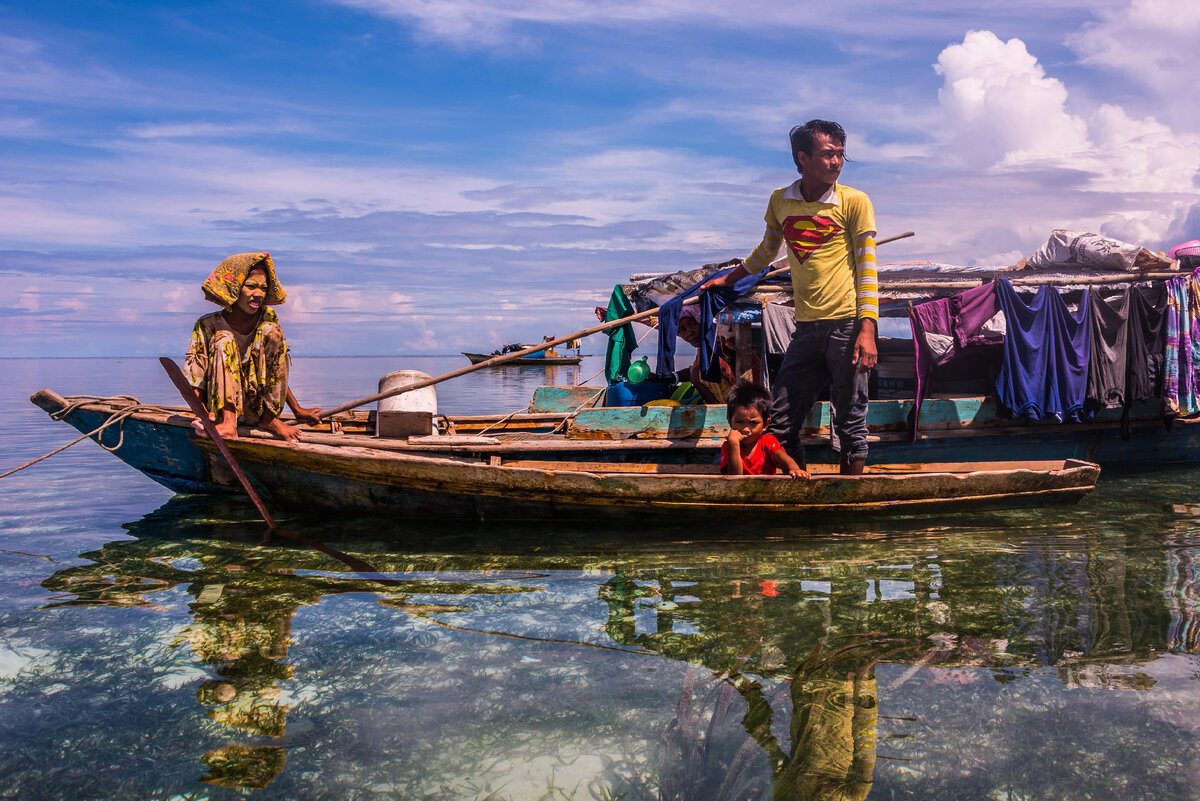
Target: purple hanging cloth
point(1046, 354)
point(955, 323)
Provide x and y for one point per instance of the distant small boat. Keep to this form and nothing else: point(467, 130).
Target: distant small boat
point(535, 360)
point(539, 359)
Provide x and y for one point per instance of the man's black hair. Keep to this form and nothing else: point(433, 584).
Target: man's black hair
point(745, 395)
point(803, 136)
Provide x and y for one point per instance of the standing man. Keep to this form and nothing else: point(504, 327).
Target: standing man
point(829, 230)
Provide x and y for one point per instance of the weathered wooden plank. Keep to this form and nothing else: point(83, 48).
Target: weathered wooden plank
point(649, 422)
point(562, 399)
point(614, 467)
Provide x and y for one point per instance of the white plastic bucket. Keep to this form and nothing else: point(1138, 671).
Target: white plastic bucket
point(407, 414)
point(419, 400)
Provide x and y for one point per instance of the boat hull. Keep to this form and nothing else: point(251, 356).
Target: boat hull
point(477, 484)
point(524, 361)
point(315, 476)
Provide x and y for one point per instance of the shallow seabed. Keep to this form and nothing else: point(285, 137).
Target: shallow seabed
point(165, 647)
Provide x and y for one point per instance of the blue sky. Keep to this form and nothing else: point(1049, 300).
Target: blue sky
point(441, 176)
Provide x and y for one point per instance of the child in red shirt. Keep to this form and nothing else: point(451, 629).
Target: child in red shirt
point(748, 449)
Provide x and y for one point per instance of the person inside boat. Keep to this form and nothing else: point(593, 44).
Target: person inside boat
point(829, 232)
point(237, 360)
point(748, 449)
point(714, 391)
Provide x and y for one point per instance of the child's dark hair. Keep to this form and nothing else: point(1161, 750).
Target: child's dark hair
point(748, 395)
point(803, 136)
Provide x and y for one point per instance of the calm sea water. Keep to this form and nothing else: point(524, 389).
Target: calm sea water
point(162, 647)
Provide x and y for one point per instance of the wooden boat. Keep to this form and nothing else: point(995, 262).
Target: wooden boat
point(565, 436)
point(551, 476)
point(541, 358)
point(960, 419)
point(526, 361)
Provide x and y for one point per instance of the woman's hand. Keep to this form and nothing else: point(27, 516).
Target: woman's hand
point(309, 416)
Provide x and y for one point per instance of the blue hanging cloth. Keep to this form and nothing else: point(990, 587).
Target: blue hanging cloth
point(711, 303)
point(1046, 354)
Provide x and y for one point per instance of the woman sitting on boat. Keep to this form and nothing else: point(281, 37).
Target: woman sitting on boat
point(238, 359)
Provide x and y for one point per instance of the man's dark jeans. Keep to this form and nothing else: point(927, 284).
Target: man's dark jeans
point(818, 356)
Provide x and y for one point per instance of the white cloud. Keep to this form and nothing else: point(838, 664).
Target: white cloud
point(493, 21)
point(212, 130)
point(26, 73)
point(516, 22)
point(998, 105)
point(25, 219)
point(28, 300)
point(175, 299)
point(1097, 169)
point(1142, 155)
point(1154, 44)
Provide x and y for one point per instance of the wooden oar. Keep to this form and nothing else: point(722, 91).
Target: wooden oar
point(507, 357)
point(210, 428)
point(364, 569)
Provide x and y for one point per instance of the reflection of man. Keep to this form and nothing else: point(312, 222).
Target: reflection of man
point(829, 233)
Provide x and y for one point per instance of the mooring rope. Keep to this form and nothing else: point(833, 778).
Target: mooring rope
point(557, 426)
point(75, 402)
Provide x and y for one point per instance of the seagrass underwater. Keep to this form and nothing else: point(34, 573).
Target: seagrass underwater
point(158, 646)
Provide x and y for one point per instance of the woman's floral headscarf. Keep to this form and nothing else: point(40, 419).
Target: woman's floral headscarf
point(225, 283)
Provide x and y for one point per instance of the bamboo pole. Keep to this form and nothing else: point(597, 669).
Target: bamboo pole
point(1091, 280)
point(507, 357)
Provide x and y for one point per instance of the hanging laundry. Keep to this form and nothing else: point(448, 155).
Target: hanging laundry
point(943, 329)
point(711, 302)
point(621, 340)
point(1147, 343)
point(1108, 360)
point(1145, 359)
point(1179, 384)
point(1046, 354)
point(778, 325)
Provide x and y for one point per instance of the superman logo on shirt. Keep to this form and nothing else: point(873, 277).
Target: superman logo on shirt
point(804, 234)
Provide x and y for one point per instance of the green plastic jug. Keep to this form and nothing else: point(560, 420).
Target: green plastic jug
point(638, 372)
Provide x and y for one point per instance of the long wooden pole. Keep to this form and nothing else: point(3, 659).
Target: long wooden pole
point(210, 428)
point(507, 357)
point(1059, 280)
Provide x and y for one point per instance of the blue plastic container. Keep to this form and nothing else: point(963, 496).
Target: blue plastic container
point(623, 393)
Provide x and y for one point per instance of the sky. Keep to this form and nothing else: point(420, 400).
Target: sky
point(433, 176)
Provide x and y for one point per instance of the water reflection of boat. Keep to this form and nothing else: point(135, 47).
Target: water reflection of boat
point(552, 476)
point(797, 652)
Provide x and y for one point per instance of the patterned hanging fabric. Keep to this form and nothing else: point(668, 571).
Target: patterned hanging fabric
point(1179, 377)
